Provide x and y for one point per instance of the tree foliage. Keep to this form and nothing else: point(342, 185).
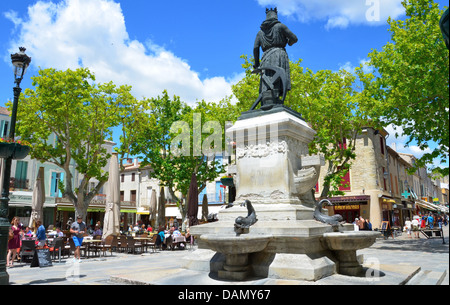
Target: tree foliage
point(413, 82)
point(69, 107)
point(162, 127)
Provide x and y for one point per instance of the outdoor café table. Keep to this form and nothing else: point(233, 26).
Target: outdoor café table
point(177, 240)
point(89, 242)
point(143, 240)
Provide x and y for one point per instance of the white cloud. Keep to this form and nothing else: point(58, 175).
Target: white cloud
point(339, 13)
point(397, 140)
point(349, 67)
point(92, 33)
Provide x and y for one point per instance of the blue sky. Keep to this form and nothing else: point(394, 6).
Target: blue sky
point(190, 48)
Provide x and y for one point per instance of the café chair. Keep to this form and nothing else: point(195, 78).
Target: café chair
point(27, 249)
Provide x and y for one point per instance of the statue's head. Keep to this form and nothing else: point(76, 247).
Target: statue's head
point(271, 13)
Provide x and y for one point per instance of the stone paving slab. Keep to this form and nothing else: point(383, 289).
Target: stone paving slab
point(402, 256)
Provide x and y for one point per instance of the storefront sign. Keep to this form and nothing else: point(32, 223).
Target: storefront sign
point(346, 207)
point(362, 199)
point(28, 199)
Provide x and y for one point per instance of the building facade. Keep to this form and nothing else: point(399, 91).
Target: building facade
point(378, 186)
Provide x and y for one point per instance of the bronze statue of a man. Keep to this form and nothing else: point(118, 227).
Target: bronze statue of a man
point(274, 66)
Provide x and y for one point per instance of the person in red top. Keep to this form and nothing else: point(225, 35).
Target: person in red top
point(14, 242)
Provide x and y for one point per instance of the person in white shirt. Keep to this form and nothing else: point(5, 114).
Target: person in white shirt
point(415, 226)
point(408, 226)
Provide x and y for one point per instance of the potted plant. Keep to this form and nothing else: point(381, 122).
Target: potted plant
point(227, 180)
point(18, 150)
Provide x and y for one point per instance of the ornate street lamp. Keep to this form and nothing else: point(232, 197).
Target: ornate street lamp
point(20, 62)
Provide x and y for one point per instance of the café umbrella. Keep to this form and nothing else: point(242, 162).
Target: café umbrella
point(111, 222)
point(205, 211)
point(153, 208)
point(161, 221)
point(38, 198)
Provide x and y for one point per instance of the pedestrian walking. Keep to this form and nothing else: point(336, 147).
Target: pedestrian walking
point(78, 229)
point(415, 226)
point(408, 225)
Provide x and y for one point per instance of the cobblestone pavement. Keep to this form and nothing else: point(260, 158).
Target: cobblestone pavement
point(429, 254)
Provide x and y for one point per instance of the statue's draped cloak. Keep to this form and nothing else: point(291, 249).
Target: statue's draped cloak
point(273, 39)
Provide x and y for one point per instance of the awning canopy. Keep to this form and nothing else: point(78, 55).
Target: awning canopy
point(427, 205)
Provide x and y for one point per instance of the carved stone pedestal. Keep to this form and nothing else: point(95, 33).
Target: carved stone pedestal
point(269, 150)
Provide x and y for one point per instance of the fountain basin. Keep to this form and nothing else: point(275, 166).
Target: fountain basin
point(354, 240)
point(344, 246)
point(232, 244)
point(236, 249)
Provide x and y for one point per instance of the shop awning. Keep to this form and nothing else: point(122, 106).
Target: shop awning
point(427, 205)
point(72, 209)
point(127, 211)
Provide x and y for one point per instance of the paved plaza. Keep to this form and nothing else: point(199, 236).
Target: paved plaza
point(402, 260)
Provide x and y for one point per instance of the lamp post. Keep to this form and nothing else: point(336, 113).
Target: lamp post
point(20, 62)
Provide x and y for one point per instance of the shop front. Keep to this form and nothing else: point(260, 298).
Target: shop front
point(408, 210)
point(95, 213)
point(20, 205)
point(391, 209)
point(351, 207)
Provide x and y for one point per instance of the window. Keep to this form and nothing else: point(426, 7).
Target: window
point(133, 196)
point(122, 178)
point(133, 176)
point(21, 175)
point(345, 184)
point(384, 179)
point(343, 144)
point(382, 146)
point(4, 128)
point(54, 188)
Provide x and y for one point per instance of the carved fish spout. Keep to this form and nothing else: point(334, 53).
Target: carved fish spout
point(245, 222)
point(334, 220)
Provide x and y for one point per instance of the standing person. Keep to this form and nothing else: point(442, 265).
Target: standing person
point(77, 229)
point(361, 223)
point(356, 224)
point(430, 221)
point(408, 225)
point(14, 242)
point(368, 225)
point(40, 234)
point(415, 226)
point(423, 222)
point(439, 221)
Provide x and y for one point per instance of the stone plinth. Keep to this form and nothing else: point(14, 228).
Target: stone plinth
point(268, 151)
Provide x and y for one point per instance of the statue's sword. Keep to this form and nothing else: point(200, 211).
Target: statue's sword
point(279, 74)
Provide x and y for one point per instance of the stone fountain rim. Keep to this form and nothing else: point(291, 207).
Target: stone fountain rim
point(234, 237)
point(344, 234)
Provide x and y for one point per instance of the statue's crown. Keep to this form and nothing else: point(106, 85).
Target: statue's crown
point(271, 10)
